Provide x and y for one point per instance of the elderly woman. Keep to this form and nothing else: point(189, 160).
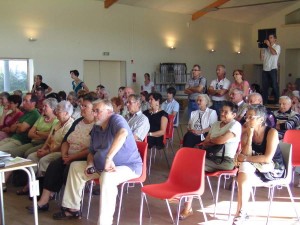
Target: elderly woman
point(259, 147)
point(158, 120)
point(240, 83)
point(227, 131)
point(51, 149)
point(287, 119)
point(74, 147)
point(200, 122)
point(14, 102)
point(40, 130)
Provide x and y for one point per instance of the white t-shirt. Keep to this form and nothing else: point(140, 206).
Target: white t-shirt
point(270, 61)
point(220, 85)
point(148, 87)
point(232, 144)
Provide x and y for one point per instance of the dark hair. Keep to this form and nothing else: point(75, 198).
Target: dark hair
point(17, 99)
point(76, 73)
point(197, 65)
point(156, 96)
point(40, 89)
point(4, 94)
point(233, 107)
point(121, 88)
point(53, 95)
point(171, 90)
point(147, 75)
point(39, 76)
point(33, 98)
point(240, 72)
point(62, 95)
point(274, 35)
point(117, 101)
point(91, 96)
point(100, 86)
point(146, 94)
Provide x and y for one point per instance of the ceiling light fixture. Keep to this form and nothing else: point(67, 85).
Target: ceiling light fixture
point(212, 50)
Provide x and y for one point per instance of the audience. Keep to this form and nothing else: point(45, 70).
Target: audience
point(158, 120)
point(40, 94)
point(4, 103)
point(148, 84)
point(7, 120)
point(236, 97)
point(259, 145)
point(200, 122)
point(137, 121)
point(287, 119)
point(77, 84)
point(296, 101)
point(74, 147)
point(171, 106)
point(227, 131)
point(145, 103)
point(38, 83)
point(240, 83)
point(117, 104)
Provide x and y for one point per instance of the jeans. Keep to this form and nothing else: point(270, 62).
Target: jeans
point(269, 79)
point(192, 106)
point(217, 105)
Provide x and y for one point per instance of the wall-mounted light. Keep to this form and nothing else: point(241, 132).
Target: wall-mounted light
point(172, 48)
point(212, 50)
point(238, 52)
point(32, 39)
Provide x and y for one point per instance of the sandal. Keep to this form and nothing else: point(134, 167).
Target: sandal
point(22, 192)
point(238, 220)
point(66, 214)
point(185, 214)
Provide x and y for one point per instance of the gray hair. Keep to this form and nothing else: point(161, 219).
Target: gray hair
point(106, 102)
point(239, 91)
point(286, 98)
point(136, 97)
point(52, 102)
point(73, 94)
point(259, 110)
point(207, 99)
point(65, 106)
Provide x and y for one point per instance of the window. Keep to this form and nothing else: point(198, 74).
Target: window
point(14, 74)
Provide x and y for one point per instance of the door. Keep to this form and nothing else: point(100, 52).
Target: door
point(111, 74)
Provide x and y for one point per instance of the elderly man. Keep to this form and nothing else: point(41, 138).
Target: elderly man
point(127, 91)
point(287, 119)
point(138, 122)
point(218, 89)
point(113, 158)
point(236, 97)
point(20, 129)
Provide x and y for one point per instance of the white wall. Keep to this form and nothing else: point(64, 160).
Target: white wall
point(71, 31)
point(288, 37)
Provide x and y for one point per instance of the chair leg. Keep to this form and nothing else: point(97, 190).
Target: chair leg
point(292, 200)
point(141, 207)
point(90, 197)
point(120, 202)
point(210, 188)
point(170, 211)
point(231, 198)
point(202, 207)
point(166, 157)
point(217, 195)
point(150, 161)
point(146, 200)
point(178, 211)
point(271, 200)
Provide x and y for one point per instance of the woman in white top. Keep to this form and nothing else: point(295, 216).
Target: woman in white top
point(148, 85)
point(200, 122)
point(227, 131)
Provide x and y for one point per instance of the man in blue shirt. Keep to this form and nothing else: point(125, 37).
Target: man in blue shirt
point(113, 158)
point(171, 106)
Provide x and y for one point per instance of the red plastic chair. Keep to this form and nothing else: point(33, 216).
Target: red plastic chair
point(293, 137)
point(186, 179)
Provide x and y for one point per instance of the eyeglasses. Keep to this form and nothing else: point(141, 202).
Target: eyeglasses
point(195, 70)
point(251, 117)
point(130, 102)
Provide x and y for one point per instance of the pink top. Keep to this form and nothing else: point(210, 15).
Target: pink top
point(241, 86)
point(11, 119)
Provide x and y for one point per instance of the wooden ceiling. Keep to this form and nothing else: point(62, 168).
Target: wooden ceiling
point(242, 11)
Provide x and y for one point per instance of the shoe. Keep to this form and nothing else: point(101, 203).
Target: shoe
point(66, 214)
point(185, 214)
point(22, 192)
point(238, 220)
point(42, 208)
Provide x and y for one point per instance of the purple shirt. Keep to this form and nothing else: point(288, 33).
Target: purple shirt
point(101, 141)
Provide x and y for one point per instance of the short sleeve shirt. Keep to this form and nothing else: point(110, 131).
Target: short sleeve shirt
point(195, 83)
point(170, 107)
point(270, 61)
point(220, 85)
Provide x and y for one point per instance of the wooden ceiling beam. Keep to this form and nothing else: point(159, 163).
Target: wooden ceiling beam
point(206, 9)
point(108, 3)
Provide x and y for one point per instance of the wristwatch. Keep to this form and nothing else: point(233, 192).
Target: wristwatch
point(150, 134)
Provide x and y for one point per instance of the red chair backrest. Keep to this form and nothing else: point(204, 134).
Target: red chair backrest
point(143, 149)
point(170, 128)
point(188, 170)
point(293, 137)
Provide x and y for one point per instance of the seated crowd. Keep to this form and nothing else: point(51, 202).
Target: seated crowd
point(85, 135)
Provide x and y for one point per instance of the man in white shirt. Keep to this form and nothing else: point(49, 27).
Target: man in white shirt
point(270, 56)
point(218, 89)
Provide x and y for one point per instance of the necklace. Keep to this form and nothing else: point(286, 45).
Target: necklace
point(153, 112)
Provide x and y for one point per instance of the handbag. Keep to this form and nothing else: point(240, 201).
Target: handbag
point(264, 167)
point(212, 150)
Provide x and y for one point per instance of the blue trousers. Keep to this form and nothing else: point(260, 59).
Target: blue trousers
point(192, 106)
